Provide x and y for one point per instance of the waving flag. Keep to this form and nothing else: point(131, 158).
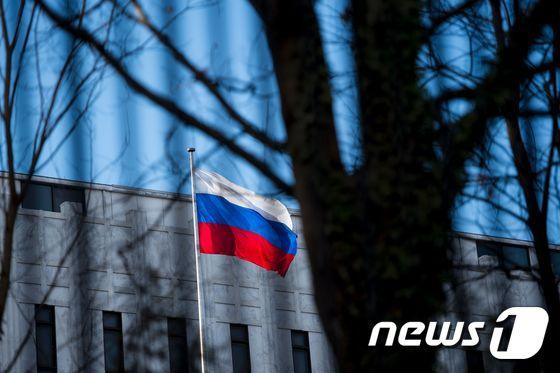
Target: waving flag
point(235, 221)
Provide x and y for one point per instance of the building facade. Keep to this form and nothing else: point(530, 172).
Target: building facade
point(103, 279)
point(492, 274)
point(113, 269)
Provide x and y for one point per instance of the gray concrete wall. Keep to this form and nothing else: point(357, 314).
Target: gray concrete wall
point(133, 253)
point(481, 292)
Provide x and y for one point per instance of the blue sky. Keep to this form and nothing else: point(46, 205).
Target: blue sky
point(126, 140)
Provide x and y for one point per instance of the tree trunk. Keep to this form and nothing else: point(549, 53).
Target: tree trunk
point(377, 242)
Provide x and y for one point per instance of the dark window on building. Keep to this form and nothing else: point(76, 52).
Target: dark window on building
point(515, 257)
point(508, 256)
point(555, 260)
point(300, 352)
point(67, 194)
point(240, 349)
point(487, 249)
point(38, 197)
point(113, 342)
point(45, 338)
point(48, 197)
point(177, 339)
point(475, 361)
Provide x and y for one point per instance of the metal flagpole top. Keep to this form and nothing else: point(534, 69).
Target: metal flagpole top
point(190, 150)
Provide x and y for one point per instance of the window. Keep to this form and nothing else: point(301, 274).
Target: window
point(47, 197)
point(177, 339)
point(67, 194)
point(475, 361)
point(45, 338)
point(487, 249)
point(515, 257)
point(240, 349)
point(300, 352)
point(509, 257)
point(113, 342)
point(38, 197)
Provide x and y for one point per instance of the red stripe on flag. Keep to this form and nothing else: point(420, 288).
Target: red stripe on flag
point(227, 240)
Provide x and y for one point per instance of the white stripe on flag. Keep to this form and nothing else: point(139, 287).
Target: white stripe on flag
point(271, 209)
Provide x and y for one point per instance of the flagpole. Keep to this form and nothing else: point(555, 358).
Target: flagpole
point(197, 258)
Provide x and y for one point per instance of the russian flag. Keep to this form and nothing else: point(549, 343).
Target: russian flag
point(235, 221)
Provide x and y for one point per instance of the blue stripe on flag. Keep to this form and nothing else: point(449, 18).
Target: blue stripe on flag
point(217, 210)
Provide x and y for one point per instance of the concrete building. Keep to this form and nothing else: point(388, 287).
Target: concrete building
point(115, 267)
point(114, 270)
point(492, 274)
